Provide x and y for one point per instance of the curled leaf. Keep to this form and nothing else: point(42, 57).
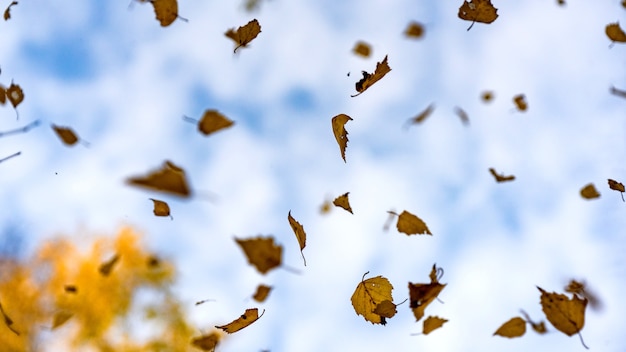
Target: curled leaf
point(422, 115)
point(421, 295)
point(244, 34)
point(382, 68)
point(206, 342)
point(106, 267)
point(298, 230)
point(566, 314)
point(341, 135)
point(414, 30)
point(248, 317)
point(501, 177)
point(343, 202)
point(262, 252)
point(262, 291)
point(617, 186)
point(60, 318)
point(520, 102)
point(212, 121)
point(7, 12)
point(462, 115)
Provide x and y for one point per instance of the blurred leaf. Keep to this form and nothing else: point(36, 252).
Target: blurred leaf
point(501, 177)
point(262, 291)
point(362, 49)
point(170, 178)
point(207, 342)
point(262, 252)
point(520, 102)
point(422, 115)
point(244, 34)
point(414, 30)
point(478, 11)
point(615, 33)
point(67, 136)
point(589, 191)
point(7, 12)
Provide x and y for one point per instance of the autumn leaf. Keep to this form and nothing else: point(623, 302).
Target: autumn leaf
point(382, 68)
point(325, 207)
point(212, 121)
point(262, 252)
point(170, 179)
point(343, 202)
point(161, 208)
point(615, 33)
point(422, 115)
point(262, 291)
point(421, 295)
point(341, 135)
point(411, 224)
point(368, 295)
point(515, 327)
point(60, 318)
point(617, 186)
point(67, 136)
point(414, 30)
point(432, 323)
point(589, 192)
point(613, 90)
point(244, 34)
point(3, 94)
point(386, 309)
point(487, 96)
point(581, 290)
point(250, 316)
point(206, 342)
point(298, 230)
point(566, 314)
point(362, 49)
point(8, 321)
point(462, 115)
point(520, 102)
point(106, 267)
point(539, 327)
point(15, 94)
point(478, 11)
point(166, 11)
point(501, 177)
point(7, 12)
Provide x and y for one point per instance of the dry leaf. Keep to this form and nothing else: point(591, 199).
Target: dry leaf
point(539, 327)
point(341, 135)
point(501, 177)
point(250, 316)
point(212, 121)
point(487, 96)
point(7, 12)
point(262, 252)
point(3, 94)
point(462, 115)
point(386, 309)
point(106, 267)
point(566, 314)
point(343, 202)
point(615, 33)
point(515, 327)
point(411, 224)
point(368, 295)
point(244, 34)
point(170, 178)
point(581, 290)
point(206, 342)
point(8, 321)
point(166, 11)
point(617, 186)
point(421, 295)
point(15, 94)
point(161, 208)
point(298, 230)
point(362, 49)
point(422, 115)
point(589, 192)
point(478, 11)
point(520, 102)
point(68, 137)
point(414, 30)
point(60, 318)
point(382, 68)
point(432, 323)
point(262, 291)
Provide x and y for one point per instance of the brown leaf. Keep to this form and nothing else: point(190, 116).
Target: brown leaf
point(262, 291)
point(170, 179)
point(244, 34)
point(411, 224)
point(7, 12)
point(382, 68)
point(325, 207)
point(166, 11)
point(343, 202)
point(515, 327)
point(520, 102)
point(421, 295)
point(487, 96)
point(298, 230)
point(462, 115)
point(262, 252)
point(501, 177)
point(478, 11)
point(617, 186)
point(60, 318)
point(341, 135)
point(589, 192)
point(161, 208)
point(539, 327)
point(368, 295)
point(414, 30)
point(212, 121)
point(250, 316)
point(207, 342)
point(582, 290)
point(422, 115)
point(432, 323)
point(106, 267)
point(362, 49)
point(15, 94)
point(615, 33)
point(566, 314)
point(3, 94)
point(68, 137)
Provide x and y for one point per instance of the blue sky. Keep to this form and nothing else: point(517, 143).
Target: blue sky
point(123, 83)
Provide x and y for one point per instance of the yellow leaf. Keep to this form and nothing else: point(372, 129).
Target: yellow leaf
point(262, 252)
point(423, 115)
point(617, 186)
point(60, 318)
point(166, 11)
point(170, 178)
point(411, 224)
point(520, 102)
point(343, 202)
point(161, 208)
point(244, 34)
point(566, 314)
point(501, 177)
point(368, 295)
point(262, 291)
point(462, 115)
point(298, 230)
point(589, 192)
point(212, 121)
point(515, 327)
point(382, 68)
point(7, 12)
point(615, 33)
point(414, 30)
point(362, 49)
point(68, 137)
point(106, 267)
point(386, 309)
point(207, 342)
point(432, 323)
point(250, 316)
point(421, 295)
point(478, 11)
point(539, 327)
point(341, 135)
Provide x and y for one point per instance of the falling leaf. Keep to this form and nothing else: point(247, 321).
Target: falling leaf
point(487, 96)
point(462, 115)
point(166, 11)
point(515, 327)
point(70, 289)
point(341, 135)
point(386, 309)
point(206, 342)
point(432, 323)
point(539, 327)
point(343, 202)
point(362, 49)
point(161, 208)
point(589, 192)
point(244, 34)
point(212, 121)
point(581, 290)
point(68, 137)
point(106, 267)
point(566, 314)
point(368, 295)
point(325, 207)
point(60, 318)
point(617, 186)
point(7, 12)
point(250, 316)
point(561, 2)
point(414, 30)
point(3, 94)
point(411, 224)
point(613, 90)
point(478, 11)
point(170, 178)
point(520, 102)
point(382, 68)
point(615, 33)
point(422, 115)
point(421, 295)
point(298, 230)
point(8, 321)
point(262, 252)
point(624, 4)
point(501, 178)
point(15, 94)
point(262, 291)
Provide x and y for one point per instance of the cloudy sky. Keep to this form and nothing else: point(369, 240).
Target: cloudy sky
point(122, 82)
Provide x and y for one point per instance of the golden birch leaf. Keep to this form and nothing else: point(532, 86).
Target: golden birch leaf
point(161, 208)
point(170, 179)
point(520, 102)
point(478, 11)
point(382, 68)
point(60, 318)
point(206, 342)
point(7, 12)
point(422, 115)
point(298, 230)
point(615, 33)
point(250, 316)
point(589, 192)
point(341, 135)
point(15, 94)
point(617, 186)
point(581, 290)
point(500, 177)
point(244, 34)
point(343, 202)
point(414, 30)
point(421, 295)
point(67, 136)
point(515, 327)
point(362, 49)
point(106, 267)
point(261, 252)
point(432, 323)
point(368, 295)
point(386, 309)
point(539, 327)
point(411, 224)
point(212, 121)
point(262, 291)
point(566, 314)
